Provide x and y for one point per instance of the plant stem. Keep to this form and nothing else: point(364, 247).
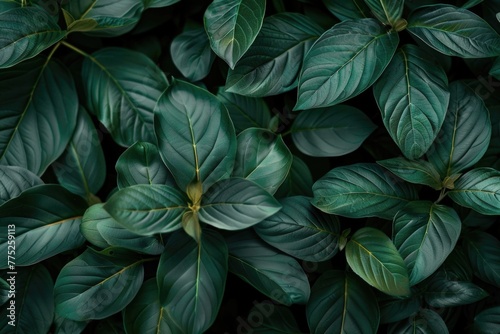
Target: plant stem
point(23, 3)
point(441, 195)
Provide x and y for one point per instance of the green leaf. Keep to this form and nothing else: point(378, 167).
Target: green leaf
point(96, 285)
point(191, 53)
point(361, 190)
point(414, 171)
point(245, 112)
point(487, 321)
point(141, 164)
point(278, 276)
point(348, 9)
point(299, 180)
point(413, 97)
point(301, 230)
point(33, 302)
point(148, 209)
point(342, 303)
point(454, 31)
point(386, 11)
point(271, 65)
point(6, 5)
point(4, 291)
point(276, 319)
point(331, 131)
point(122, 87)
point(68, 326)
point(479, 189)
point(82, 25)
point(39, 115)
point(159, 3)
point(457, 266)
point(26, 32)
point(232, 26)
point(393, 309)
point(14, 180)
point(465, 134)
point(425, 321)
point(262, 157)
point(425, 234)
point(191, 279)
point(82, 168)
point(47, 218)
point(483, 250)
point(372, 255)
point(195, 135)
point(235, 204)
point(91, 218)
point(343, 62)
point(441, 292)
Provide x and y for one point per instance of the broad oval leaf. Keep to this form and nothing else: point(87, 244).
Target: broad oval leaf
point(332, 131)
point(191, 279)
point(96, 285)
point(47, 218)
point(413, 96)
point(487, 321)
point(393, 309)
point(425, 234)
point(272, 64)
point(122, 87)
point(91, 218)
point(301, 230)
point(148, 209)
point(454, 31)
point(478, 189)
point(386, 11)
point(414, 171)
point(278, 276)
point(425, 321)
point(343, 62)
point(299, 180)
point(362, 190)
point(483, 250)
point(465, 134)
point(24, 33)
point(262, 157)
point(39, 113)
point(232, 26)
point(372, 255)
point(348, 9)
point(235, 204)
point(196, 138)
point(441, 292)
point(342, 303)
point(14, 180)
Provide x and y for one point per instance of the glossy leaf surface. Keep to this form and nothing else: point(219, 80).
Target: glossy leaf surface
point(14, 180)
point(414, 171)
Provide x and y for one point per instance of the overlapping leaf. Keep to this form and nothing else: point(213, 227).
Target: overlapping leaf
point(414, 171)
point(441, 292)
point(483, 250)
point(386, 11)
point(299, 180)
point(425, 321)
point(14, 180)
point(487, 321)
point(393, 309)
point(348, 9)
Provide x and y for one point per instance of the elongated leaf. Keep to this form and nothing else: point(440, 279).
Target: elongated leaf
point(414, 171)
point(191, 54)
point(465, 134)
point(14, 180)
point(262, 157)
point(441, 292)
point(278, 276)
point(47, 222)
point(413, 97)
point(393, 309)
point(301, 230)
point(342, 303)
point(332, 131)
point(195, 135)
point(141, 164)
point(487, 321)
point(235, 204)
point(276, 319)
point(148, 209)
point(386, 11)
point(343, 62)
point(479, 190)
point(33, 302)
point(232, 26)
point(39, 113)
point(191, 279)
point(299, 180)
point(25, 32)
point(271, 65)
point(454, 31)
point(483, 250)
point(372, 255)
point(81, 168)
point(348, 9)
point(425, 234)
point(426, 321)
point(361, 190)
point(96, 285)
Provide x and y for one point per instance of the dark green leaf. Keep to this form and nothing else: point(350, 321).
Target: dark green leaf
point(413, 97)
point(4, 291)
point(271, 65)
point(191, 279)
point(39, 113)
point(441, 292)
point(457, 266)
point(232, 26)
point(491, 157)
point(148, 209)
point(372, 255)
point(414, 171)
point(275, 319)
point(396, 309)
point(343, 62)
point(426, 321)
point(299, 180)
point(235, 204)
point(159, 3)
point(362, 190)
point(301, 230)
point(68, 326)
point(454, 31)
point(483, 250)
point(386, 11)
point(14, 180)
point(332, 131)
point(91, 218)
point(487, 321)
point(495, 69)
point(195, 135)
point(6, 5)
point(348, 9)
point(122, 87)
point(342, 303)
point(471, 3)
point(96, 285)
